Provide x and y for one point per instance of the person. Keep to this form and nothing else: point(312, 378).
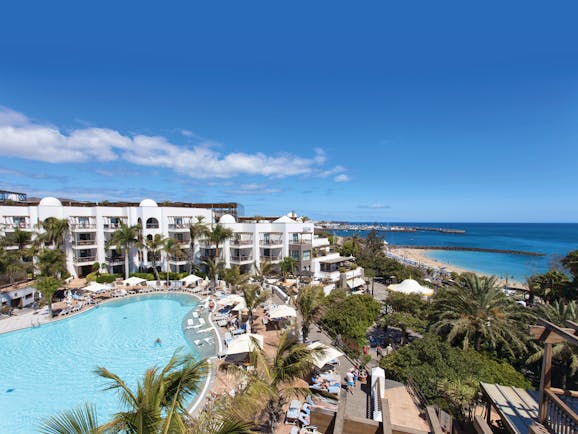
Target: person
point(378, 350)
point(158, 342)
point(350, 381)
point(388, 350)
point(355, 374)
point(365, 350)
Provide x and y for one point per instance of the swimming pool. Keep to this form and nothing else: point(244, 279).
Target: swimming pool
point(51, 368)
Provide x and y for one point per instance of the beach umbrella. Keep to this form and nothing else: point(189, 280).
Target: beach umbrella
point(190, 279)
point(330, 353)
point(96, 287)
point(133, 281)
point(240, 306)
point(231, 300)
point(245, 344)
point(410, 286)
point(282, 311)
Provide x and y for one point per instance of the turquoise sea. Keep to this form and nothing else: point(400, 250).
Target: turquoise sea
point(555, 240)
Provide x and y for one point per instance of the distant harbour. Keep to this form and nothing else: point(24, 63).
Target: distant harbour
point(510, 251)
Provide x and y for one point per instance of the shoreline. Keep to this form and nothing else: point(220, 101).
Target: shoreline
point(420, 256)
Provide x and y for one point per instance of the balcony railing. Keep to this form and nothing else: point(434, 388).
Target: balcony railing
point(241, 259)
point(83, 242)
point(115, 259)
point(112, 226)
point(81, 259)
point(241, 242)
point(271, 241)
point(560, 419)
point(178, 259)
point(83, 227)
point(13, 226)
point(307, 242)
point(178, 226)
point(271, 258)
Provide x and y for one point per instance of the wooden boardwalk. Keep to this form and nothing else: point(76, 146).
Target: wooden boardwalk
point(517, 407)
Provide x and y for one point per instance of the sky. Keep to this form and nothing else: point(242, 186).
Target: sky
point(360, 111)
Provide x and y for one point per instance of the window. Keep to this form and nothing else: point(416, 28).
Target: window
point(295, 238)
point(149, 237)
point(152, 223)
point(306, 255)
point(294, 254)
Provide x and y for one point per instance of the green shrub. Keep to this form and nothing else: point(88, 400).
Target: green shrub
point(91, 277)
point(107, 278)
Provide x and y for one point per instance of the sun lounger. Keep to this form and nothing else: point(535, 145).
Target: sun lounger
point(228, 338)
point(190, 322)
point(195, 314)
point(293, 412)
point(208, 329)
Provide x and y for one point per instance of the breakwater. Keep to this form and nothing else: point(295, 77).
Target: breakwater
point(468, 249)
point(386, 228)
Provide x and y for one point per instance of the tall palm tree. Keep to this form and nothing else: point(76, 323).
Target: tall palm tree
point(123, 239)
point(253, 296)
point(234, 277)
point(214, 267)
point(21, 239)
point(52, 263)
point(47, 286)
point(218, 235)
point(171, 248)
point(156, 406)
point(287, 266)
point(478, 312)
point(154, 247)
point(158, 403)
point(264, 270)
point(272, 382)
point(559, 313)
point(55, 230)
point(197, 231)
point(311, 303)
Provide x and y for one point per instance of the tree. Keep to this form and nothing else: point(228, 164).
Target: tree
point(264, 270)
point(479, 313)
point(172, 249)
point(154, 247)
point(218, 235)
point(570, 262)
point(549, 286)
point(214, 267)
point(123, 239)
point(158, 404)
point(234, 277)
point(311, 305)
point(559, 312)
point(287, 266)
point(48, 285)
point(21, 239)
point(55, 231)
point(197, 231)
point(52, 263)
point(253, 298)
point(272, 382)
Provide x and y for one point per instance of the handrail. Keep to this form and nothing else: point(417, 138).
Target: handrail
point(559, 423)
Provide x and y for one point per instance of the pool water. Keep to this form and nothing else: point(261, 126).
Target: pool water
point(49, 369)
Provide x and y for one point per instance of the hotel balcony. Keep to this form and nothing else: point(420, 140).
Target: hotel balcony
point(274, 259)
point(112, 226)
point(178, 227)
point(271, 242)
point(242, 259)
point(178, 260)
point(114, 260)
point(241, 243)
point(83, 244)
point(85, 259)
point(83, 227)
point(11, 227)
point(332, 276)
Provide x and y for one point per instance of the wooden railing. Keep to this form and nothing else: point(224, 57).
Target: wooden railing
point(560, 418)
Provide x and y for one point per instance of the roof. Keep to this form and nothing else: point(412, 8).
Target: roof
point(284, 219)
point(336, 260)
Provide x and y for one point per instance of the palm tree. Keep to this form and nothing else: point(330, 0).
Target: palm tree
point(47, 286)
point(214, 267)
point(272, 382)
point(158, 404)
point(218, 235)
point(479, 312)
point(311, 305)
point(559, 313)
point(234, 277)
point(54, 231)
point(197, 231)
point(264, 270)
point(172, 248)
point(123, 239)
point(83, 420)
point(52, 263)
point(21, 239)
point(253, 298)
point(154, 247)
point(287, 266)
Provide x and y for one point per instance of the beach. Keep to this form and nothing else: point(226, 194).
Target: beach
point(420, 256)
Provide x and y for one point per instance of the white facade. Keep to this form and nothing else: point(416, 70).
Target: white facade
point(92, 226)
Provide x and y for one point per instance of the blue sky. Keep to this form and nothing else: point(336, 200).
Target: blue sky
point(413, 111)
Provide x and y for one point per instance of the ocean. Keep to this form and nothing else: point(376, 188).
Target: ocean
point(555, 240)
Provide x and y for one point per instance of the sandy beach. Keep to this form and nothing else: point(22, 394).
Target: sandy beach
point(420, 256)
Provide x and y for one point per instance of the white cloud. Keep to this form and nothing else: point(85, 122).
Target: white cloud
point(22, 138)
point(342, 178)
point(374, 206)
point(330, 172)
point(253, 189)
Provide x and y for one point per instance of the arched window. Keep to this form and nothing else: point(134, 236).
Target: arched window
point(149, 237)
point(152, 223)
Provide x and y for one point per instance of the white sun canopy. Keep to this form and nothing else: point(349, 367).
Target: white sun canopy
point(245, 344)
point(230, 300)
point(190, 279)
point(96, 287)
point(133, 281)
point(355, 282)
point(410, 286)
point(330, 353)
